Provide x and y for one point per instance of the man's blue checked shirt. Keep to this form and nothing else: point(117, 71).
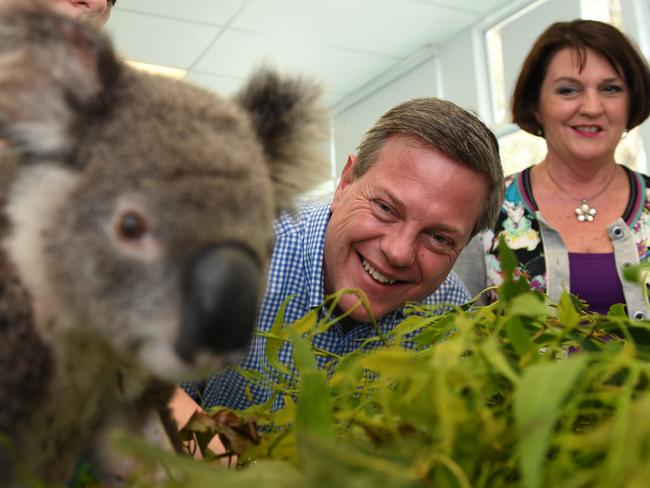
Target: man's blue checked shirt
point(297, 269)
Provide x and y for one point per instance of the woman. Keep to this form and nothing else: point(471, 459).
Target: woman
point(576, 218)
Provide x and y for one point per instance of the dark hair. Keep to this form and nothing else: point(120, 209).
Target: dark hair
point(113, 2)
point(581, 35)
point(446, 127)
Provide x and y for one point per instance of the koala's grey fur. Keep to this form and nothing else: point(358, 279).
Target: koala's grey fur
point(135, 227)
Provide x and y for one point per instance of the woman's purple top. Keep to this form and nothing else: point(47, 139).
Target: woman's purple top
point(595, 280)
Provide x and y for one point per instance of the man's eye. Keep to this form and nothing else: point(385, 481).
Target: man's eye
point(440, 239)
point(384, 207)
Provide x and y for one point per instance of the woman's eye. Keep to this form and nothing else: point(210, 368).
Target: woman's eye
point(612, 89)
point(132, 226)
point(565, 90)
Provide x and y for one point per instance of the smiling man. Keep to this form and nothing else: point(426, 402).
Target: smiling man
point(426, 178)
point(397, 229)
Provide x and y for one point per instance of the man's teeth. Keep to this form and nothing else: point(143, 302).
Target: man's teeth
point(376, 274)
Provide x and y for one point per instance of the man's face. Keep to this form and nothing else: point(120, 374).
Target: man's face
point(95, 12)
point(396, 231)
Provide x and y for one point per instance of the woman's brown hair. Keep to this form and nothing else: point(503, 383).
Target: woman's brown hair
point(581, 35)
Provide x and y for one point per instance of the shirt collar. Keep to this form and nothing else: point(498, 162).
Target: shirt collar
point(314, 242)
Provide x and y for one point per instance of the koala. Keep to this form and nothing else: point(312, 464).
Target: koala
point(136, 219)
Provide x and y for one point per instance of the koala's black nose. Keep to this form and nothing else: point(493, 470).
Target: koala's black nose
point(221, 292)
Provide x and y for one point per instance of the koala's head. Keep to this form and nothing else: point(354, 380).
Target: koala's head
point(140, 209)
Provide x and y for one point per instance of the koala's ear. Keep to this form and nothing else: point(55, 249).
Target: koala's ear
point(292, 128)
point(53, 71)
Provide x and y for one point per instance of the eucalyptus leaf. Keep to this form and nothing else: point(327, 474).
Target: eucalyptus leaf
point(314, 408)
point(538, 403)
point(567, 313)
point(507, 258)
point(519, 337)
point(528, 305)
point(275, 340)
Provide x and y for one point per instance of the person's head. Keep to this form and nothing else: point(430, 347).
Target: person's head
point(95, 12)
point(426, 178)
point(584, 39)
point(452, 131)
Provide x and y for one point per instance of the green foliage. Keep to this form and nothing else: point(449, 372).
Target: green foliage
point(522, 393)
point(538, 402)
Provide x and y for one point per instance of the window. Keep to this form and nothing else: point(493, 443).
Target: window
point(519, 149)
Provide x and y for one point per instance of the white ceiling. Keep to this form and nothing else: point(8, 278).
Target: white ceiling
point(345, 44)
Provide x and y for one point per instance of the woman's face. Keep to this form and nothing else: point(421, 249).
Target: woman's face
point(583, 113)
point(95, 12)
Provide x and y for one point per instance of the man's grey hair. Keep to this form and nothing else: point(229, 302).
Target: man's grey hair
point(451, 130)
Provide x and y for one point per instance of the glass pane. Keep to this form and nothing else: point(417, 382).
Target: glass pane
point(604, 10)
point(595, 10)
point(615, 13)
point(496, 71)
point(630, 151)
point(519, 150)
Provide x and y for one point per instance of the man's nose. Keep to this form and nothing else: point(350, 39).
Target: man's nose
point(399, 248)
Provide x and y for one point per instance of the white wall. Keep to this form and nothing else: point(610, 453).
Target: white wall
point(352, 122)
point(459, 71)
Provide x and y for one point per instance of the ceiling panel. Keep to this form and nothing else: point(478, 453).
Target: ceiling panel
point(235, 53)
point(380, 26)
point(225, 85)
point(214, 12)
point(158, 40)
point(476, 6)
point(345, 44)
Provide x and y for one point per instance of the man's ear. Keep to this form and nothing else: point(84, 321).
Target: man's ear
point(347, 176)
point(53, 70)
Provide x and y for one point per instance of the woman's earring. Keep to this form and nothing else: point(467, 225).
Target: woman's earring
point(540, 132)
point(624, 135)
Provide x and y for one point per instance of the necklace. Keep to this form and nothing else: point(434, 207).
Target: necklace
point(585, 212)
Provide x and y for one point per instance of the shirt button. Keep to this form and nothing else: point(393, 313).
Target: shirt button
point(639, 315)
point(617, 232)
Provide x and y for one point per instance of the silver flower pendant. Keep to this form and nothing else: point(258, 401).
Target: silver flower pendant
point(585, 212)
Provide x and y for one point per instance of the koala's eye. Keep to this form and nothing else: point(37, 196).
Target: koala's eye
point(132, 226)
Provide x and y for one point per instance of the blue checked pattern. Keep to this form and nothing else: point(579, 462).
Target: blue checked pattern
point(297, 269)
